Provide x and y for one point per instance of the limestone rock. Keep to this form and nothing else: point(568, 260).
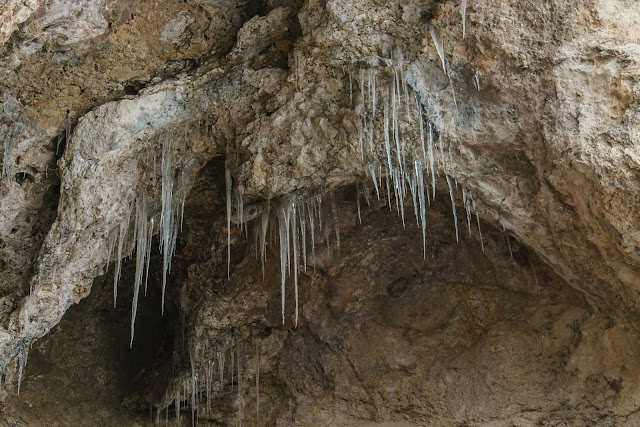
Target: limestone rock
point(533, 118)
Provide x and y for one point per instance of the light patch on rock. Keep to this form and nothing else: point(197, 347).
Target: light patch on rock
point(176, 27)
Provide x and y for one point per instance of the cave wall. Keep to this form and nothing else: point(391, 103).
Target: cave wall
point(534, 105)
point(462, 333)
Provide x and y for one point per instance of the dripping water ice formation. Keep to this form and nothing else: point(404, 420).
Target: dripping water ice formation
point(406, 165)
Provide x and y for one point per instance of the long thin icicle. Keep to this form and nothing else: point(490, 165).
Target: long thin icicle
point(122, 238)
point(283, 226)
point(228, 186)
point(423, 206)
point(264, 223)
point(479, 229)
point(167, 220)
point(294, 235)
point(141, 253)
point(148, 256)
point(432, 162)
point(303, 231)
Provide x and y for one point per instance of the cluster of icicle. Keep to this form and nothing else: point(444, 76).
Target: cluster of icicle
point(412, 153)
point(216, 374)
point(398, 164)
point(298, 220)
point(173, 195)
point(403, 164)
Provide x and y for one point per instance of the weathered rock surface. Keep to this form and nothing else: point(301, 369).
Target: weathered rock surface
point(385, 337)
point(535, 110)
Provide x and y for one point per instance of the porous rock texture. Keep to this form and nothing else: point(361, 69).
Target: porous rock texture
point(536, 108)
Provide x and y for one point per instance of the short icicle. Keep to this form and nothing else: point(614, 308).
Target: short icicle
point(463, 11)
point(439, 48)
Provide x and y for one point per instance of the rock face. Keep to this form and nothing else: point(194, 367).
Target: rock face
point(124, 119)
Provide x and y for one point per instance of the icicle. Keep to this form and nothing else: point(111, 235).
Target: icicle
point(375, 181)
point(122, 237)
point(439, 48)
point(319, 210)
point(240, 209)
point(396, 127)
point(389, 190)
point(398, 181)
point(432, 162)
point(463, 11)
point(167, 220)
point(387, 136)
point(264, 222)
point(116, 274)
point(141, 253)
point(288, 232)
point(113, 236)
point(395, 189)
point(508, 241)
point(358, 202)
point(23, 355)
point(148, 256)
point(413, 187)
point(294, 235)
point(423, 207)
point(420, 121)
point(303, 231)
point(479, 231)
point(373, 94)
point(453, 206)
point(228, 184)
point(467, 206)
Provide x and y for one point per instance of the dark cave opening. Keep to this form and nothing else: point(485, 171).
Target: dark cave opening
point(84, 372)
